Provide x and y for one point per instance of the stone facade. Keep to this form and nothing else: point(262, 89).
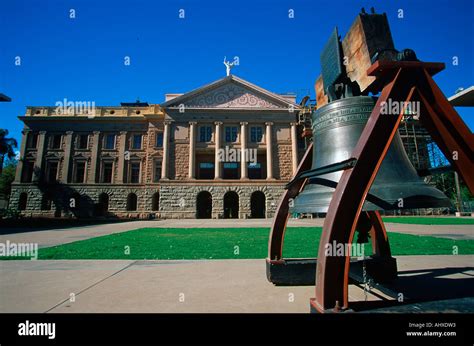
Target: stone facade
point(141, 160)
point(184, 195)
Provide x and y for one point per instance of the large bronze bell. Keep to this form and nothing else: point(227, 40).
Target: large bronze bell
point(337, 127)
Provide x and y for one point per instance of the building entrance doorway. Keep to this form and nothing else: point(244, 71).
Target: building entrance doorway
point(257, 205)
point(204, 205)
point(231, 205)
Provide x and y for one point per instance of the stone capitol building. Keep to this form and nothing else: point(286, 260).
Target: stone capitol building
point(224, 150)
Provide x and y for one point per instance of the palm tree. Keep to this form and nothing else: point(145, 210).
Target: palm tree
point(6, 147)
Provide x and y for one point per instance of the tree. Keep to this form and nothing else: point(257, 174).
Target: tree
point(6, 178)
point(7, 146)
point(445, 183)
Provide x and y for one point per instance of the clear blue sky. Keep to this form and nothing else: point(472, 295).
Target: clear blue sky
point(82, 59)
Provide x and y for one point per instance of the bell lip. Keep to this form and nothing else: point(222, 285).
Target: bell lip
point(437, 199)
point(414, 202)
point(423, 196)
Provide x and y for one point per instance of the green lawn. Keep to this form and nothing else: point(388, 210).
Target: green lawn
point(215, 243)
point(413, 220)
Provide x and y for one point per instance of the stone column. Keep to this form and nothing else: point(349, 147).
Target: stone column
point(269, 150)
point(217, 140)
point(38, 167)
point(92, 179)
point(19, 166)
point(166, 148)
point(67, 158)
point(148, 157)
point(192, 149)
point(243, 148)
point(294, 147)
point(121, 157)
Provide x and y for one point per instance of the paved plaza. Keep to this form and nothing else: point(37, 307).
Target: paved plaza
point(200, 285)
point(227, 286)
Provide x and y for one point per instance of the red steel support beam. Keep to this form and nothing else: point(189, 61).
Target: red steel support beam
point(332, 272)
point(447, 129)
point(378, 234)
point(277, 233)
point(401, 81)
point(398, 81)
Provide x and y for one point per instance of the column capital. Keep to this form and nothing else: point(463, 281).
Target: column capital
point(123, 132)
point(69, 133)
point(42, 133)
point(269, 123)
point(96, 133)
point(192, 122)
point(244, 123)
point(25, 131)
point(294, 123)
point(167, 122)
point(218, 123)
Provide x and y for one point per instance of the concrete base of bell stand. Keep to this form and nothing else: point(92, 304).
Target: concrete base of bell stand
point(292, 271)
point(302, 271)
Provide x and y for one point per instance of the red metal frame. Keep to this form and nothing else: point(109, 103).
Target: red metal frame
point(399, 81)
point(277, 233)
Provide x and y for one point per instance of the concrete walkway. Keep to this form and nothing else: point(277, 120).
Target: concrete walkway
point(45, 238)
point(197, 286)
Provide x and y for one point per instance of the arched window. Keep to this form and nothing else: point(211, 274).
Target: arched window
point(155, 202)
point(23, 201)
point(131, 202)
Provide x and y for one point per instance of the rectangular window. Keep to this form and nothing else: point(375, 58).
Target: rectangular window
point(255, 171)
point(301, 142)
point(137, 142)
point(79, 172)
point(52, 172)
point(205, 134)
point(206, 170)
point(256, 134)
point(109, 142)
point(231, 134)
point(107, 170)
point(157, 171)
point(28, 169)
point(55, 142)
point(134, 172)
point(159, 140)
point(231, 170)
point(32, 141)
point(82, 141)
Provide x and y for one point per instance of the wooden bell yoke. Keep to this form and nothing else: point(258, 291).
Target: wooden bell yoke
point(398, 81)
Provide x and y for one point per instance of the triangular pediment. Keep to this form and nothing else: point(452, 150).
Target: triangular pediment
point(230, 93)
